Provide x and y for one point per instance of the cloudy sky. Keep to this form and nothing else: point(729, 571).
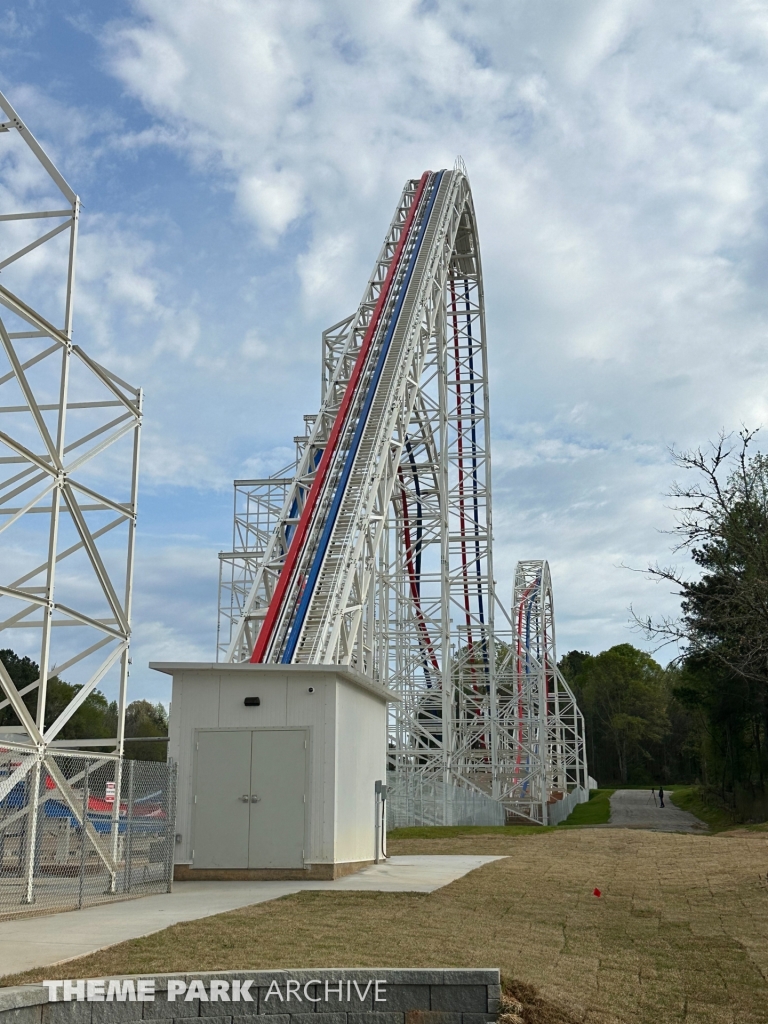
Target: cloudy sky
point(239, 161)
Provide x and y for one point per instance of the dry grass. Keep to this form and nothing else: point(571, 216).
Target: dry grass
point(680, 932)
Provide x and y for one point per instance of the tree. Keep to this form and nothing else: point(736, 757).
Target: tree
point(723, 524)
point(95, 718)
point(145, 719)
point(723, 625)
point(624, 697)
point(92, 718)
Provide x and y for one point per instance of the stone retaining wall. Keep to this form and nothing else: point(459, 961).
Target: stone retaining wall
point(344, 996)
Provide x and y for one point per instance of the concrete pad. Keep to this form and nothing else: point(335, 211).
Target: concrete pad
point(42, 941)
point(407, 874)
point(636, 808)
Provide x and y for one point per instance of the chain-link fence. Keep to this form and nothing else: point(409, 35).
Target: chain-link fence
point(558, 810)
point(78, 829)
point(415, 800)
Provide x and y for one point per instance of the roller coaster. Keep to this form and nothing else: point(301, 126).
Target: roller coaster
point(374, 548)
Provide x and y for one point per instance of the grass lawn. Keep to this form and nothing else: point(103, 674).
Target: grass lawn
point(679, 933)
point(596, 811)
point(688, 798)
point(455, 831)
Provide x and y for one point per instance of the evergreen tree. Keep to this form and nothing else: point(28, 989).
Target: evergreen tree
point(95, 718)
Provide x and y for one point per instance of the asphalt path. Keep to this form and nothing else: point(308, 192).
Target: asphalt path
point(639, 808)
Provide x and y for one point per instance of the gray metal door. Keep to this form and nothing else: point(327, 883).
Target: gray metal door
point(222, 779)
point(278, 774)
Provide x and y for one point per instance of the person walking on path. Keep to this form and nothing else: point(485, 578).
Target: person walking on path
point(661, 796)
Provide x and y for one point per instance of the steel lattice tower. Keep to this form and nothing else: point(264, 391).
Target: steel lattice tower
point(69, 463)
point(375, 549)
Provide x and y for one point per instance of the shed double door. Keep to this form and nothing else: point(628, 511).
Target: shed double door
point(250, 798)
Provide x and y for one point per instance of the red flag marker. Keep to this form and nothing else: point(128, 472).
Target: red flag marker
point(596, 892)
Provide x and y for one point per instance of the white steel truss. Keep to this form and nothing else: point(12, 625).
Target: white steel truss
point(69, 462)
point(381, 556)
point(541, 728)
point(258, 504)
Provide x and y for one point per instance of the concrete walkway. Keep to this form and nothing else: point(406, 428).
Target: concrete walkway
point(44, 941)
point(635, 808)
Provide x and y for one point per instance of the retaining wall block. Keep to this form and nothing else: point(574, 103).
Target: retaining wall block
point(67, 1013)
point(219, 1008)
point(377, 1017)
point(413, 996)
point(460, 998)
point(432, 1017)
point(407, 997)
point(22, 1015)
point(494, 998)
point(116, 1013)
point(318, 1018)
point(161, 1009)
point(276, 1018)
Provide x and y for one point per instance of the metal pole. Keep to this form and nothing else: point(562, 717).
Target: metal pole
point(114, 821)
point(446, 665)
point(53, 536)
point(583, 748)
point(83, 834)
point(128, 868)
point(33, 800)
point(125, 660)
point(377, 791)
point(171, 820)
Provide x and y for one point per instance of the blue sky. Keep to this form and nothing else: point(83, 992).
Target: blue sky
point(239, 161)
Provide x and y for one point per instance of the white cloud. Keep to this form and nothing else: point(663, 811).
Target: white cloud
point(618, 160)
point(273, 202)
point(184, 577)
point(329, 262)
point(617, 152)
point(254, 347)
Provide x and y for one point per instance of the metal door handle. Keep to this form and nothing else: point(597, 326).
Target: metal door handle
point(255, 799)
point(245, 798)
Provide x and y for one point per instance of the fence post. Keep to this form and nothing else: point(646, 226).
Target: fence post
point(114, 821)
point(33, 802)
point(83, 834)
point(171, 823)
point(128, 867)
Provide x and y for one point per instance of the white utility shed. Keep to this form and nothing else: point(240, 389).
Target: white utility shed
point(277, 769)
